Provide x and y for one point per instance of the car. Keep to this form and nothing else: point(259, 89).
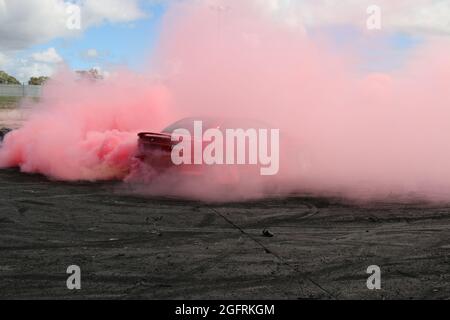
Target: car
point(154, 154)
point(3, 133)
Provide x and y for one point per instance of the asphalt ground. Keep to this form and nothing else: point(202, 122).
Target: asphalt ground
point(137, 247)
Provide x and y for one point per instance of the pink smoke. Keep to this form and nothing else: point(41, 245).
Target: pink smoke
point(85, 130)
point(355, 134)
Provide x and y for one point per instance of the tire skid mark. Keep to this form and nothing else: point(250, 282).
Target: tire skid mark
point(277, 256)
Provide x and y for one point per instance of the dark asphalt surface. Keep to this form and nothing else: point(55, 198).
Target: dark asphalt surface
point(131, 247)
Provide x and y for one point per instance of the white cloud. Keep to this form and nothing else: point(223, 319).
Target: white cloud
point(27, 69)
point(97, 11)
point(4, 60)
point(36, 64)
point(91, 54)
point(24, 23)
point(410, 16)
point(49, 56)
point(429, 17)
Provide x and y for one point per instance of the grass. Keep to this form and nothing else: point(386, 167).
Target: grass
point(13, 102)
point(9, 102)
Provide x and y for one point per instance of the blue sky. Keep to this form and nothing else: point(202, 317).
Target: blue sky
point(127, 44)
point(113, 33)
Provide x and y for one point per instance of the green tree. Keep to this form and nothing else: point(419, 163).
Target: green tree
point(7, 79)
point(38, 81)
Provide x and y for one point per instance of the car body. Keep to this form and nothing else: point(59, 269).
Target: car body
point(154, 153)
point(3, 133)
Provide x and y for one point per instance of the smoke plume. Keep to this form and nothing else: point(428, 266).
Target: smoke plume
point(346, 131)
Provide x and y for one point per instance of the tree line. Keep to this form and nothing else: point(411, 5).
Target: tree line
point(92, 74)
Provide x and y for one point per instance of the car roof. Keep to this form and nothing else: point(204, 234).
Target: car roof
point(211, 122)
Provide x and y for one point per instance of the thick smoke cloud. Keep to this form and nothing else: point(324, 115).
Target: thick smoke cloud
point(346, 132)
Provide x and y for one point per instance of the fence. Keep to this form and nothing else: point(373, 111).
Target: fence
point(8, 90)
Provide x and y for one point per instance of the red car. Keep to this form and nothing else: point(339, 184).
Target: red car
point(154, 155)
point(3, 133)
